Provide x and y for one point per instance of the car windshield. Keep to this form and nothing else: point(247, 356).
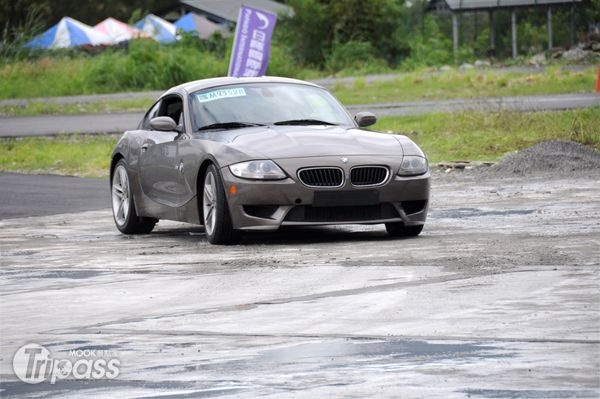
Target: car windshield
point(253, 104)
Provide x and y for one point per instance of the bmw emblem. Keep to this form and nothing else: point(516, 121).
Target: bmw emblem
point(344, 160)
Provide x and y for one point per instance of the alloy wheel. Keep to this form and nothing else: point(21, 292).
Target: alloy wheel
point(209, 203)
point(120, 195)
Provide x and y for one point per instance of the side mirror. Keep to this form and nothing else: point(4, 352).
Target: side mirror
point(163, 123)
point(364, 119)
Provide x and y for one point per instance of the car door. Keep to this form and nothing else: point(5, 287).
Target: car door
point(160, 168)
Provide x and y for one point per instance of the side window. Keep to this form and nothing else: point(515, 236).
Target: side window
point(173, 108)
point(145, 125)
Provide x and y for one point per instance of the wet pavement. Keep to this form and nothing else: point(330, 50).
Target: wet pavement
point(39, 195)
point(499, 298)
point(118, 122)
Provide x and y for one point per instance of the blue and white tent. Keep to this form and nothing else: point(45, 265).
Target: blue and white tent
point(200, 26)
point(160, 30)
point(69, 33)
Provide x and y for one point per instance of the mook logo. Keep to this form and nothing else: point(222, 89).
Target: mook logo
point(33, 364)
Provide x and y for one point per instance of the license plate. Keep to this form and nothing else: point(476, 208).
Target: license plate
point(346, 198)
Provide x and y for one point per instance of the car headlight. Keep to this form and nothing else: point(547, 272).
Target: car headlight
point(413, 165)
point(259, 170)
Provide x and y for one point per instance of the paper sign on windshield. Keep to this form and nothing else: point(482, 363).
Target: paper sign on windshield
point(221, 93)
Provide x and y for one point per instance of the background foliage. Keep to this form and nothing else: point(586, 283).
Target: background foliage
point(322, 37)
point(14, 13)
point(401, 33)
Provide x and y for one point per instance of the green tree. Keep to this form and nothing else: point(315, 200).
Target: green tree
point(320, 27)
point(308, 33)
point(374, 21)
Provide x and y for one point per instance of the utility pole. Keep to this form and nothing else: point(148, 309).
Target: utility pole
point(549, 26)
point(492, 31)
point(455, 35)
point(513, 22)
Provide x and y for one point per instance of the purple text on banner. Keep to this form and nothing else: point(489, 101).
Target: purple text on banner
point(250, 55)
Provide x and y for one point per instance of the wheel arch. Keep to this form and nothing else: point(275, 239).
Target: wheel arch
point(113, 163)
point(200, 184)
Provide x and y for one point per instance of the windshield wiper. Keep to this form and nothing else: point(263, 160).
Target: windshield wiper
point(228, 125)
point(304, 122)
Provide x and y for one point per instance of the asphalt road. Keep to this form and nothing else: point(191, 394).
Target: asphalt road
point(119, 122)
point(37, 195)
point(325, 82)
point(499, 298)
point(553, 102)
point(50, 125)
point(83, 99)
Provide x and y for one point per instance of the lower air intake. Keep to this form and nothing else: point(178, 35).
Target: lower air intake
point(308, 213)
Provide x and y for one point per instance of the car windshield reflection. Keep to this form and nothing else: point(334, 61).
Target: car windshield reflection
point(230, 107)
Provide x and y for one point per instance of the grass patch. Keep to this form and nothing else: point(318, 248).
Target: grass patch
point(473, 136)
point(44, 77)
point(466, 84)
point(142, 65)
point(481, 136)
point(411, 86)
point(147, 65)
point(76, 155)
point(40, 108)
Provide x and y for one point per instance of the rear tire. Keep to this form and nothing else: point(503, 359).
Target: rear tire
point(400, 230)
point(215, 210)
point(123, 205)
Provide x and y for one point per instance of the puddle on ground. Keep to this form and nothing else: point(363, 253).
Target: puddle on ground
point(170, 389)
point(530, 394)
point(459, 213)
point(10, 253)
point(78, 342)
point(408, 350)
point(70, 274)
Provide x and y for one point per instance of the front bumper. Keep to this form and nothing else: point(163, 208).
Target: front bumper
point(267, 205)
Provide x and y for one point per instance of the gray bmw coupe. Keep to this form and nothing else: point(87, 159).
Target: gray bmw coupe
point(236, 154)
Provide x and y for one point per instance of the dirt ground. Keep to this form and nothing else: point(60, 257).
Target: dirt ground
point(498, 298)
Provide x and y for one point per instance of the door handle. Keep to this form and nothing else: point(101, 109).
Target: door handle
point(144, 147)
point(180, 167)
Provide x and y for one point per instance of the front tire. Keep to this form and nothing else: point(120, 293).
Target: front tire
point(217, 220)
point(123, 206)
point(400, 230)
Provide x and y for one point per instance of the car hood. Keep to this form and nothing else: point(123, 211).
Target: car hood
point(307, 141)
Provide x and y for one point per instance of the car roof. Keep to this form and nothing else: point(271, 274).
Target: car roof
point(196, 85)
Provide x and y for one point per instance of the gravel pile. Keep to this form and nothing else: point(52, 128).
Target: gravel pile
point(559, 158)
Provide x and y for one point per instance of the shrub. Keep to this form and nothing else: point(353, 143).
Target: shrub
point(281, 63)
point(431, 48)
point(148, 65)
point(354, 55)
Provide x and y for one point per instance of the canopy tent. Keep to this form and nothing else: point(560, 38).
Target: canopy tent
point(160, 30)
point(69, 33)
point(192, 22)
point(118, 31)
